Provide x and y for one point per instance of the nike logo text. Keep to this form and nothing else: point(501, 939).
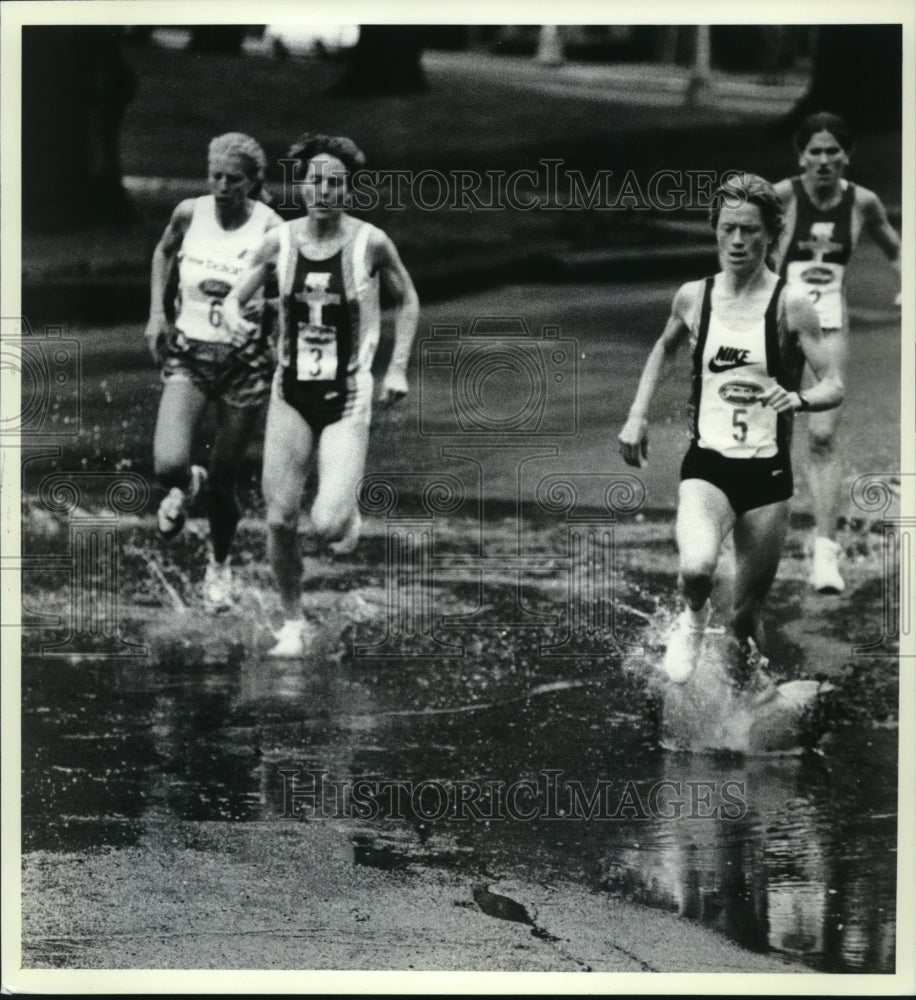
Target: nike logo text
point(729, 357)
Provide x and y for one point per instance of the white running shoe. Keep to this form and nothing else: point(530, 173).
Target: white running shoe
point(291, 640)
point(171, 515)
point(199, 477)
point(759, 684)
point(218, 586)
point(755, 659)
point(825, 572)
point(344, 546)
point(173, 510)
point(684, 643)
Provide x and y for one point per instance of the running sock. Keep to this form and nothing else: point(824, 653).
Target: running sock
point(699, 619)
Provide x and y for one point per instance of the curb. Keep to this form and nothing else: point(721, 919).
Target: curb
point(634, 84)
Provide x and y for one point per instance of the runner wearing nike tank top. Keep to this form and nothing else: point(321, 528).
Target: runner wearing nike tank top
point(751, 335)
point(330, 268)
point(825, 215)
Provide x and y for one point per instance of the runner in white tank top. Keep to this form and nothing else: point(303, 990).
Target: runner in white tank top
point(330, 267)
point(751, 340)
point(731, 380)
point(210, 261)
point(211, 240)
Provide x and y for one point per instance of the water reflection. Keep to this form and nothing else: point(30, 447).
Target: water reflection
point(112, 755)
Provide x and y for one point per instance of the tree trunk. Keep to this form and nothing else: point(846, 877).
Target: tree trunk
point(76, 87)
point(385, 60)
point(217, 39)
point(857, 74)
point(550, 46)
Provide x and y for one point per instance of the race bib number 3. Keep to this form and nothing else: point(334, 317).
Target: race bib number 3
point(316, 353)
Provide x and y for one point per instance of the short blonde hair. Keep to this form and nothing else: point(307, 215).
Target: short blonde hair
point(741, 189)
point(243, 146)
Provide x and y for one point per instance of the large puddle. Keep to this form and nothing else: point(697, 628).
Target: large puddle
point(502, 762)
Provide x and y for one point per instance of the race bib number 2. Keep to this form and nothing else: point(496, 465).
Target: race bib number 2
point(823, 283)
point(316, 354)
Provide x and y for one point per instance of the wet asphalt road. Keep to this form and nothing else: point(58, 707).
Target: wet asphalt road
point(161, 795)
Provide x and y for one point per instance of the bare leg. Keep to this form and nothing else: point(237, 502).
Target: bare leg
point(704, 518)
point(288, 443)
point(759, 537)
point(341, 463)
point(235, 428)
point(180, 408)
point(824, 471)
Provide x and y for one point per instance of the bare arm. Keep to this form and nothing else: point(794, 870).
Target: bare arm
point(634, 438)
point(264, 258)
point(400, 287)
point(164, 256)
point(874, 219)
point(822, 352)
point(786, 197)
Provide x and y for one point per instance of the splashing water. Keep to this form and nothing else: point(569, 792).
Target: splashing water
point(711, 712)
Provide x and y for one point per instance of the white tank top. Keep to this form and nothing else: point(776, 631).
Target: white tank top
point(210, 262)
point(732, 370)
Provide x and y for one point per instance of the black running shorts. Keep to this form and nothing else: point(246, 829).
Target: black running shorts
point(747, 482)
point(321, 404)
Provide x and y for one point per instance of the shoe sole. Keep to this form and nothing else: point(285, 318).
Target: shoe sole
point(276, 654)
point(169, 533)
point(347, 545)
point(679, 681)
point(200, 481)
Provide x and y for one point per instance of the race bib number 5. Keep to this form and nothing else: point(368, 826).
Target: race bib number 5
point(316, 354)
